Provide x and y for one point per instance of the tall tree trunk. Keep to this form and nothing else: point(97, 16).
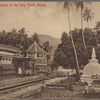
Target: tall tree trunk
point(82, 31)
point(88, 26)
point(77, 69)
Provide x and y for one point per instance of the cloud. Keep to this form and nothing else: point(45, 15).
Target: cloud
point(49, 21)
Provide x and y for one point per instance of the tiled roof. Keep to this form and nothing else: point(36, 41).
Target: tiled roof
point(9, 48)
point(35, 48)
point(9, 56)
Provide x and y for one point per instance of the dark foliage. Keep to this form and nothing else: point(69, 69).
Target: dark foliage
point(64, 54)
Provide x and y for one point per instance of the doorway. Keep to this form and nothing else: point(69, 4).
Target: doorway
point(33, 68)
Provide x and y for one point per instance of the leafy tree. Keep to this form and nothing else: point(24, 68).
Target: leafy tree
point(59, 56)
point(97, 27)
point(64, 54)
point(88, 36)
point(54, 65)
point(77, 35)
point(97, 32)
point(64, 37)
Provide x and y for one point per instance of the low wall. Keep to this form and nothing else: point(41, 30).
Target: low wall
point(90, 78)
point(86, 78)
point(57, 74)
point(17, 81)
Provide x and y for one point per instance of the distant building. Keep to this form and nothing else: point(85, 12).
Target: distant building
point(7, 54)
point(15, 62)
point(39, 55)
point(34, 60)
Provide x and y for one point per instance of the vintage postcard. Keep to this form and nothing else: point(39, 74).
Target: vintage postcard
point(49, 50)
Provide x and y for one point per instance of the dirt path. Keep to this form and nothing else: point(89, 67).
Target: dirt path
point(55, 80)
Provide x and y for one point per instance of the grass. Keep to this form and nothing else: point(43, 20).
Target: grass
point(50, 93)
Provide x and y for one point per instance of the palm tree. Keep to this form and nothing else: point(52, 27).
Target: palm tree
point(22, 38)
point(87, 15)
point(47, 47)
point(67, 6)
point(14, 31)
point(80, 5)
point(22, 31)
point(10, 38)
point(3, 34)
point(35, 37)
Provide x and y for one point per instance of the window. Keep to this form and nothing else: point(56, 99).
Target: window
point(25, 54)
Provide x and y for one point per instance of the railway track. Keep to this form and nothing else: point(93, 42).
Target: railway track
point(11, 89)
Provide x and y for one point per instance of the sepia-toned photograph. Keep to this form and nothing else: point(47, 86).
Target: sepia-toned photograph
point(49, 50)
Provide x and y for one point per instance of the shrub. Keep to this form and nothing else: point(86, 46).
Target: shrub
point(91, 90)
point(92, 94)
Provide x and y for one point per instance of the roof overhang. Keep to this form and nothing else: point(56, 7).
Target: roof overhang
point(9, 48)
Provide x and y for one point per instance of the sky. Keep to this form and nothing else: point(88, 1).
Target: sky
point(50, 18)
